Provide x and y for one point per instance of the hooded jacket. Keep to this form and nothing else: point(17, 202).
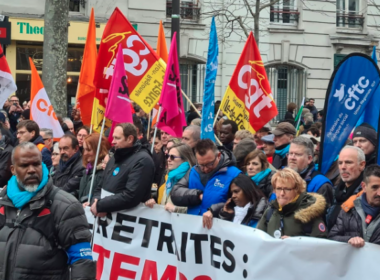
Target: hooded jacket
point(254, 214)
point(27, 252)
point(350, 224)
point(214, 186)
point(46, 154)
point(308, 209)
point(129, 176)
point(69, 178)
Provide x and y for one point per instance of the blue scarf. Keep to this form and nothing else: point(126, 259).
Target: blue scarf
point(282, 153)
point(20, 198)
point(368, 209)
point(261, 175)
point(175, 175)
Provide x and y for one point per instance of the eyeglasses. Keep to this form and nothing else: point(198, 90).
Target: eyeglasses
point(286, 190)
point(46, 139)
point(294, 155)
point(208, 165)
point(172, 157)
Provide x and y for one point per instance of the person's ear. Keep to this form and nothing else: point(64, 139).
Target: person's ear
point(363, 186)
point(13, 170)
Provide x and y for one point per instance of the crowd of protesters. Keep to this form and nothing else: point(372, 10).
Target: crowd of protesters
point(268, 180)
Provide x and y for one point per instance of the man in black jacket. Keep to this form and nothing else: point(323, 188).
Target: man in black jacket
point(43, 230)
point(70, 169)
point(365, 138)
point(361, 223)
point(283, 135)
point(300, 159)
point(29, 131)
point(128, 175)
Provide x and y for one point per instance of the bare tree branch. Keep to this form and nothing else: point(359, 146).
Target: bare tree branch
point(268, 5)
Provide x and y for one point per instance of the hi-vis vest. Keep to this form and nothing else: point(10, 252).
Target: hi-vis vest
point(40, 146)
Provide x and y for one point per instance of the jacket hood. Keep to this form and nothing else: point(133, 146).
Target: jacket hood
point(227, 159)
point(260, 208)
point(38, 140)
point(312, 206)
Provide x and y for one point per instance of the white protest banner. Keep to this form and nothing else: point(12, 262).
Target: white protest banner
point(152, 244)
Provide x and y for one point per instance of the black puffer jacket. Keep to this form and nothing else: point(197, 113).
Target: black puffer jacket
point(69, 178)
point(27, 252)
point(349, 224)
point(129, 176)
point(5, 161)
point(85, 183)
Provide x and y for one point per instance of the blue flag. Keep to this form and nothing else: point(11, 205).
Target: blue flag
point(351, 87)
point(208, 114)
point(371, 112)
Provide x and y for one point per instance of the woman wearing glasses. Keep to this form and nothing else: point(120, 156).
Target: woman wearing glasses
point(257, 168)
point(180, 159)
point(294, 212)
point(245, 206)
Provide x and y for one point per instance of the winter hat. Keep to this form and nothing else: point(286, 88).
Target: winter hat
point(242, 149)
point(367, 131)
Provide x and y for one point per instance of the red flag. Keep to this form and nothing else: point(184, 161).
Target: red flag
point(7, 83)
point(119, 105)
point(248, 99)
point(172, 118)
point(144, 70)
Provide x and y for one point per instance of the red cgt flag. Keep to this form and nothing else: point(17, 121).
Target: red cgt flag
point(248, 99)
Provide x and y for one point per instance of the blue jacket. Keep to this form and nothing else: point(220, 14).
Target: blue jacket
point(216, 189)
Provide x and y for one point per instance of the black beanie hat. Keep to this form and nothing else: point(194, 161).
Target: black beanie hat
point(367, 131)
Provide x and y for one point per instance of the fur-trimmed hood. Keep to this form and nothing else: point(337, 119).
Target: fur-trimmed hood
point(311, 206)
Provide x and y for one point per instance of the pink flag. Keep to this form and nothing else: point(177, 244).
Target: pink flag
point(118, 107)
point(172, 117)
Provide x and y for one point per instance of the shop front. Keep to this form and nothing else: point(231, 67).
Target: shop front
point(27, 41)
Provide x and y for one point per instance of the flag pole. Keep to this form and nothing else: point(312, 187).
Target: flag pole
point(192, 105)
point(155, 130)
point(149, 119)
point(92, 115)
point(96, 160)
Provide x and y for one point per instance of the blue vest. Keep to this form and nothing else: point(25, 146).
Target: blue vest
point(215, 191)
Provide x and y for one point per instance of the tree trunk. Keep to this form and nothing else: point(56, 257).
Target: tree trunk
point(256, 32)
point(54, 69)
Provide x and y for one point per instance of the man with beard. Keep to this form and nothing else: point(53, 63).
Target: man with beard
point(360, 223)
point(365, 138)
point(300, 159)
point(283, 135)
point(351, 163)
point(43, 230)
point(70, 169)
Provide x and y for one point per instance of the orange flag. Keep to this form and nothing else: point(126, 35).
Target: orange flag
point(41, 110)
point(162, 49)
point(86, 89)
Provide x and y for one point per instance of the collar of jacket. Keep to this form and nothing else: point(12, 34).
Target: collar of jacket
point(307, 207)
point(350, 203)
point(306, 175)
point(121, 154)
point(37, 202)
point(342, 196)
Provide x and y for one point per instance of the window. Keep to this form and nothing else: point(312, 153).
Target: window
point(348, 14)
point(284, 12)
point(188, 10)
point(288, 84)
point(338, 58)
point(76, 5)
point(192, 77)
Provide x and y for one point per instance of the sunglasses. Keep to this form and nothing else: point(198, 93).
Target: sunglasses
point(172, 157)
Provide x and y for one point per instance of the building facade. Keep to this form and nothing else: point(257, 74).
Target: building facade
point(300, 41)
